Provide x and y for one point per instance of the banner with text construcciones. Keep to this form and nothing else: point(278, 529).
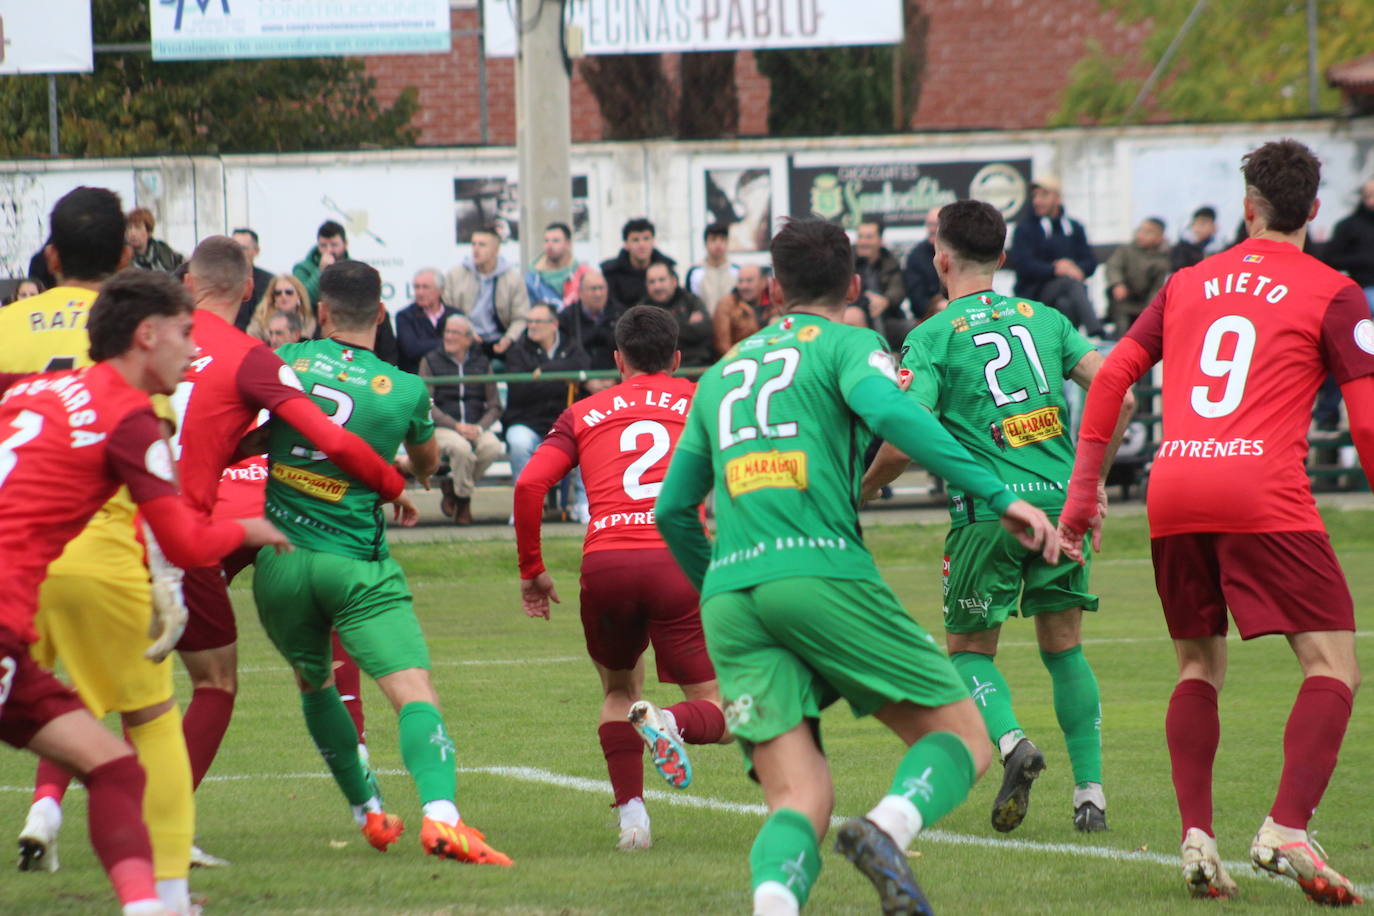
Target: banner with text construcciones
point(212, 29)
point(654, 26)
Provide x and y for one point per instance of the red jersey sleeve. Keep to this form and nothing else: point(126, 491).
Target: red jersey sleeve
point(549, 464)
point(1347, 335)
point(139, 456)
point(563, 436)
point(264, 381)
point(1148, 328)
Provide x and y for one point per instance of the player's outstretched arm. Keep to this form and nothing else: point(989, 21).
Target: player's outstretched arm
point(547, 466)
point(889, 464)
point(349, 452)
point(676, 512)
point(423, 459)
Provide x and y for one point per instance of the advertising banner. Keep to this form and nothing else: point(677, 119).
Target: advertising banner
point(29, 43)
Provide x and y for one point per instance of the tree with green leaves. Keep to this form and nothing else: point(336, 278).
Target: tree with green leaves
point(131, 105)
point(1241, 60)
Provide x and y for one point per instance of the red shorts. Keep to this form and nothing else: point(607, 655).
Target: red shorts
point(30, 696)
point(1273, 582)
point(210, 621)
point(237, 562)
point(633, 597)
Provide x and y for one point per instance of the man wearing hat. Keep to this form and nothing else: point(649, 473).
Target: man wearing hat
point(1052, 258)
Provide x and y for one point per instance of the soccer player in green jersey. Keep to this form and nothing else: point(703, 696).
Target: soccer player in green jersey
point(992, 369)
point(341, 575)
point(795, 614)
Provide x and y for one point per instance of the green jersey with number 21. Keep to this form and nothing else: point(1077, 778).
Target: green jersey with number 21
point(318, 506)
point(786, 452)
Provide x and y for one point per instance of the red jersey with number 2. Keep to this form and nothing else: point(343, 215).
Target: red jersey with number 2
point(1247, 336)
point(623, 438)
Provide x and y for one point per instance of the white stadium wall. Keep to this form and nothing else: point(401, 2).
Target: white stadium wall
point(405, 209)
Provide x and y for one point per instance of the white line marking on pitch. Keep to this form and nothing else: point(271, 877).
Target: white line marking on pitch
point(444, 663)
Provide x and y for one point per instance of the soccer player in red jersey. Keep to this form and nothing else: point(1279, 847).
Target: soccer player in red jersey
point(233, 377)
point(94, 429)
point(633, 592)
point(1246, 337)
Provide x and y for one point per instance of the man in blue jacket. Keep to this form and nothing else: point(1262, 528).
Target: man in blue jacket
point(1052, 258)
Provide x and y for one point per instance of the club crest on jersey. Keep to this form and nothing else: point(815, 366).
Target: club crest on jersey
point(788, 322)
point(986, 300)
point(1364, 335)
point(1025, 309)
point(381, 384)
point(347, 355)
point(808, 333)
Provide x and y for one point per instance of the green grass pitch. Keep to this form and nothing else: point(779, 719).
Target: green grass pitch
point(521, 701)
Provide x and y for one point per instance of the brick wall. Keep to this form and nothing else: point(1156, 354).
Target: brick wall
point(990, 63)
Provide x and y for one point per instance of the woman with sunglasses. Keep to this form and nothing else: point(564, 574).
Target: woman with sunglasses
point(285, 294)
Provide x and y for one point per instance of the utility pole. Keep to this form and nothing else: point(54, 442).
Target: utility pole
point(543, 130)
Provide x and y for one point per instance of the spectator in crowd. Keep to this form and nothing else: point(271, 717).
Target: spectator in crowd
point(1136, 272)
point(418, 324)
point(532, 407)
point(1351, 248)
point(743, 310)
point(38, 269)
point(284, 328)
point(625, 273)
point(1052, 258)
point(284, 294)
point(331, 244)
point(149, 253)
point(27, 287)
point(714, 277)
point(923, 291)
point(1200, 240)
point(855, 316)
point(490, 292)
point(463, 414)
point(590, 324)
point(248, 241)
point(554, 276)
point(695, 332)
point(882, 289)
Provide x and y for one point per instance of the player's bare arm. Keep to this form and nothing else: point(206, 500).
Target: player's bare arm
point(423, 459)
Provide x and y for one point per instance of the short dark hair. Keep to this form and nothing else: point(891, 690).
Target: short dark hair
point(487, 229)
point(646, 337)
point(561, 227)
point(1282, 178)
point(876, 221)
point(1207, 212)
point(813, 261)
point(716, 230)
point(330, 229)
point(352, 290)
point(672, 271)
point(638, 224)
point(553, 310)
point(87, 229)
point(125, 301)
point(1159, 223)
point(973, 231)
point(246, 231)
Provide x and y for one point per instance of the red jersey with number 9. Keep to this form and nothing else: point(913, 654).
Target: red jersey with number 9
point(623, 439)
point(1246, 337)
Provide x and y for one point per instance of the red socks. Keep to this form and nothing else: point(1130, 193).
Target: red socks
point(624, 751)
point(698, 721)
point(1193, 728)
point(1311, 742)
point(349, 680)
point(116, 825)
point(206, 721)
point(50, 781)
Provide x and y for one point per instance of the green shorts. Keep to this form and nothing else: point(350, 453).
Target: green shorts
point(304, 594)
point(987, 572)
point(786, 649)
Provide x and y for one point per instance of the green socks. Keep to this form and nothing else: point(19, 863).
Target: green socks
point(786, 853)
point(1078, 706)
point(337, 741)
point(935, 775)
point(990, 692)
point(428, 752)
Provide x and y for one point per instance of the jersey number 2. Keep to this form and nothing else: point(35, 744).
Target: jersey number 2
point(1235, 370)
point(339, 417)
point(659, 443)
point(27, 426)
point(748, 369)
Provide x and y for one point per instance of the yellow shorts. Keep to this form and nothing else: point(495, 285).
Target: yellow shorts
point(99, 629)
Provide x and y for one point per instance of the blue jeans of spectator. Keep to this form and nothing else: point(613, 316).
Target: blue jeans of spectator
point(521, 441)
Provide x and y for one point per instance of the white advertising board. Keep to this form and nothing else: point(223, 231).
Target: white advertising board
point(213, 29)
point(663, 26)
point(29, 43)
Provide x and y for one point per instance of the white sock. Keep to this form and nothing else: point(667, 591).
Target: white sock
point(362, 753)
point(360, 812)
point(772, 898)
point(670, 721)
point(1289, 834)
point(633, 813)
point(1090, 792)
point(443, 810)
point(1007, 743)
point(175, 895)
point(898, 818)
point(150, 907)
point(48, 808)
